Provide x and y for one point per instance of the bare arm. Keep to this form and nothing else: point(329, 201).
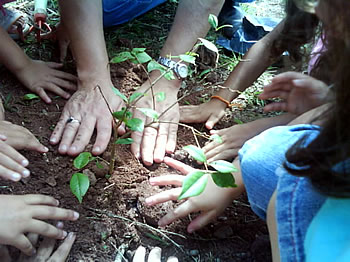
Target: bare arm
point(191, 22)
point(83, 22)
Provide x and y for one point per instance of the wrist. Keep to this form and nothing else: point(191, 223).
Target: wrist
point(171, 84)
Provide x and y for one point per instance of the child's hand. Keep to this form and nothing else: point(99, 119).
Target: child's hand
point(210, 203)
point(20, 137)
point(40, 77)
point(20, 215)
point(12, 163)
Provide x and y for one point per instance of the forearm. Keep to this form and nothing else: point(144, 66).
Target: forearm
point(11, 55)
point(191, 22)
point(252, 65)
point(83, 20)
point(263, 124)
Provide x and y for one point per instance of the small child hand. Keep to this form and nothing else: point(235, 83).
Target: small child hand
point(12, 163)
point(20, 215)
point(40, 77)
point(20, 138)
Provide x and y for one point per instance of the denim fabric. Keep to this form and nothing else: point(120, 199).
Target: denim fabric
point(261, 164)
point(116, 12)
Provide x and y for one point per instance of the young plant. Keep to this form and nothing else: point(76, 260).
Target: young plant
point(196, 181)
point(79, 183)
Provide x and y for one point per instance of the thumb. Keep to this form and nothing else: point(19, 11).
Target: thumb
point(213, 119)
point(35, 145)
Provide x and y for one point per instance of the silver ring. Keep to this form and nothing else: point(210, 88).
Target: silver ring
point(72, 120)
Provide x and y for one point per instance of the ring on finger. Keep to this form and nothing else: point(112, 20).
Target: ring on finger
point(73, 120)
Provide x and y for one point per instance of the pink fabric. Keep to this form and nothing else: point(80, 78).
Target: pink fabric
point(317, 50)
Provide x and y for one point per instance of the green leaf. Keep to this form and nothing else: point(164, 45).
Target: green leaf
point(223, 179)
point(135, 124)
point(138, 50)
point(118, 93)
point(213, 21)
point(79, 185)
point(119, 114)
point(141, 58)
point(216, 138)
point(30, 97)
point(134, 96)
point(153, 65)
point(223, 166)
point(196, 152)
point(149, 112)
point(188, 59)
point(124, 141)
point(121, 57)
point(82, 160)
point(194, 184)
point(209, 45)
point(160, 97)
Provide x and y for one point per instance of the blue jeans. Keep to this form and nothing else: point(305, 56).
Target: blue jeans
point(297, 202)
point(117, 12)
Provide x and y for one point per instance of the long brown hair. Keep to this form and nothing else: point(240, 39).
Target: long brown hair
point(299, 29)
point(324, 159)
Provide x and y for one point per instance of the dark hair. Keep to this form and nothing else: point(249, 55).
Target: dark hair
point(299, 29)
point(323, 160)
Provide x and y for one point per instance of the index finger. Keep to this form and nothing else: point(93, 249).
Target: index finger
point(179, 166)
point(287, 77)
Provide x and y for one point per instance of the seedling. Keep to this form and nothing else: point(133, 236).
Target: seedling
point(79, 183)
point(196, 181)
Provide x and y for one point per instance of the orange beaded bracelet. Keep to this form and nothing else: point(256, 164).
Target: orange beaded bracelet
point(230, 105)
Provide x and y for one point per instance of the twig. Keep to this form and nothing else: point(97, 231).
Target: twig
point(159, 231)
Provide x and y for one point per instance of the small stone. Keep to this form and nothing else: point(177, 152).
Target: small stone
point(50, 180)
point(91, 176)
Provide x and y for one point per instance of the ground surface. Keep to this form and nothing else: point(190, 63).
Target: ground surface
point(113, 213)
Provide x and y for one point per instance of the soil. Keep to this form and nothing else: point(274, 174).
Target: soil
point(113, 214)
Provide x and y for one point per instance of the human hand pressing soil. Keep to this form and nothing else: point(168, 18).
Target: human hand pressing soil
point(24, 214)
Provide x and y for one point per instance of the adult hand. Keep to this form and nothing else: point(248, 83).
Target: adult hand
point(299, 92)
point(88, 110)
point(155, 255)
point(20, 138)
point(12, 163)
point(210, 113)
point(152, 144)
point(210, 203)
point(40, 77)
point(24, 214)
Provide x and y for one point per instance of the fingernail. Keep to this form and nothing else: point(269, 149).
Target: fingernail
point(64, 234)
point(33, 252)
point(76, 215)
point(148, 201)
point(57, 202)
point(161, 223)
point(70, 235)
point(45, 149)
point(25, 162)
point(63, 148)
point(3, 137)
point(297, 81)
point(59, 224)
point(73, 148)
point(53, 140)
point(15, 176)
point(26, 173)
point(97, 150)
